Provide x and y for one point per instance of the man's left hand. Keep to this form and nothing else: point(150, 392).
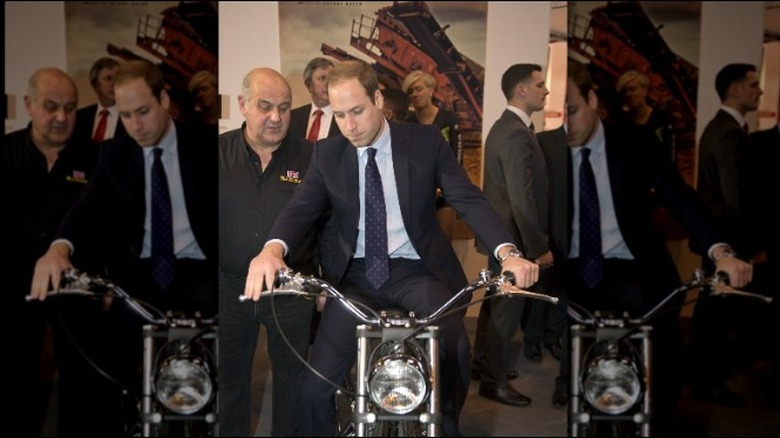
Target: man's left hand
point(526, 272)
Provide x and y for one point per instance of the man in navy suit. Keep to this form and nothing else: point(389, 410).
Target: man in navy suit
point(111, 221)
point(424, 272)
point(303, 117)
point(638, 270)
point(88, 119)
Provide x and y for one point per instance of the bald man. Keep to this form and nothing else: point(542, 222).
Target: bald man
point(43, 173)
point(260, 168)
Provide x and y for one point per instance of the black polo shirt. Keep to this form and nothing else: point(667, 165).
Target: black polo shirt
point(250, 199)
point(36, 199)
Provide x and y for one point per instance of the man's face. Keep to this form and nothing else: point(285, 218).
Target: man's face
point(748, 92)
point(53, 110)
point(581, 115)
point(267, 111)
point(319, 86)
point(534, 92)
point(104, 87)
point(358, 119)
point(145, 118)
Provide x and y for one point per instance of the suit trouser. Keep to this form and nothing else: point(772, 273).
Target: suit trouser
point(505, 316)
point(238, 331)
point(412, 287)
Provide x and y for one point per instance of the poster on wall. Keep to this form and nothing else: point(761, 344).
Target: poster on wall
point(643, 56)
point(445, 39)
point(180, 37)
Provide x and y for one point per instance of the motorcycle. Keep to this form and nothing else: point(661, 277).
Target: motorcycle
point(179, 368)
point(611, 371)
point(394, 389)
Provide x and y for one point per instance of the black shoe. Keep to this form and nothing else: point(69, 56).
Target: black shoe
point(533, 352)
point(555, 350)
point(560, 397)
point(477, 375)
point(720, 395)
point(507, 396)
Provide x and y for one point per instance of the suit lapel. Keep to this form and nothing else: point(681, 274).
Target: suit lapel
point(350, 163)
point(400, 152)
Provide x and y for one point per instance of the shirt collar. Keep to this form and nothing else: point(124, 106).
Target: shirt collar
point(382, 142)
point(734, 113)
point(168, 142)
point(596, 142)
point(327, 111)
point(523, 116)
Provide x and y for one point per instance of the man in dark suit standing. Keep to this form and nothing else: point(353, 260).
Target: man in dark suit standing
point(116, 220)
point(100, 122)
point(630, 268)
point(314, 121)
point(727, 186)
point(516, 186)
point(414, 267)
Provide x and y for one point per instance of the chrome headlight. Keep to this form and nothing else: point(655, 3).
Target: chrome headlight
point(612, 385)
point(398, 383)
point(183, 382)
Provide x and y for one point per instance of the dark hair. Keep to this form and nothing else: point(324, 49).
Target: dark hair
point(100, 64)
point(145, 70)
point(360, 70)
point(397, 101)
point(516, 74)
point(313, 65)
point(729, 75)
point(579, 74)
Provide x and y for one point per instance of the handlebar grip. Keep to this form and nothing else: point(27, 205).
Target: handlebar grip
point(510, 277)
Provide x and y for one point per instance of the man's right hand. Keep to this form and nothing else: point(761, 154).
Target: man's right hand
point(49, 269)
point(262, 270)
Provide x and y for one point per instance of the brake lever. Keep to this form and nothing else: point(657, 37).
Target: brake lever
point(723, 289)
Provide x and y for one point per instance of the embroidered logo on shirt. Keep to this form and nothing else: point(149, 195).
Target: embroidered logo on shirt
point(78, 176)
point(292, 176)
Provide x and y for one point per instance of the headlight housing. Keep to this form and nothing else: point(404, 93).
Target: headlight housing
point(398, 383)
point(612, 384)
point(183, 382)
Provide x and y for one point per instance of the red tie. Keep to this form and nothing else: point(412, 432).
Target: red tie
point(100, 131)
point(314, 132)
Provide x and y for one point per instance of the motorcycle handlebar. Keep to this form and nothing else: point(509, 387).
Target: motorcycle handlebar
point(718, 286)
point(291, 283)
point(80, 283)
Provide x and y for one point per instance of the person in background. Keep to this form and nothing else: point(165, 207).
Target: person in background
point(314, 121)
point(396, 104)
point(100, 122)
point(421, 86)
point(261, 165)
point(727, 184)
point(516, 187)
point(203, 87)
point(409, 264)
point(634, 86)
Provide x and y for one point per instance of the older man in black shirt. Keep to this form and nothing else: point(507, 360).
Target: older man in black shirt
point(43, 173)
point(260, 167)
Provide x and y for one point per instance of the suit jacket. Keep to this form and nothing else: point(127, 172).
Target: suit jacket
point(640, 177)
point(422, 161)
point(724, 182)
point(560, 211)
point(85, 121)
point(516, 182)
point(109, 217)
point(299, 120)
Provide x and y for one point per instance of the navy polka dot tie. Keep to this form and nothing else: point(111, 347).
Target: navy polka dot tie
point(162, 225)
point(377, 262)
point(591, 258)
